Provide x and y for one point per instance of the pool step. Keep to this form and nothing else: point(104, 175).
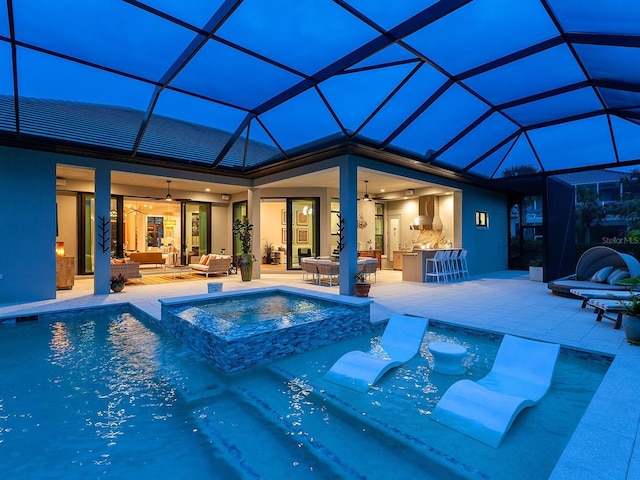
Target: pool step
point(315, 419)
point(261, 447)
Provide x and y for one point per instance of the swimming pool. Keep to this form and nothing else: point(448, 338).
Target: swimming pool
point(111, 396)
point(238, 330)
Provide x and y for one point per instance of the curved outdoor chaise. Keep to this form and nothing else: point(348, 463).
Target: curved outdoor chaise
point(520, 377)
point(589, 263)
point(400, 342)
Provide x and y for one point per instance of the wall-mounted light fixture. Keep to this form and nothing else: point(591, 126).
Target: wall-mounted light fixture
point(60, 249)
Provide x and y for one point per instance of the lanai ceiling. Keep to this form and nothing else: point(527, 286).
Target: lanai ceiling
point(481, 88)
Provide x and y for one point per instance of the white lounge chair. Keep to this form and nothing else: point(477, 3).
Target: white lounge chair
point(520, 377)
point(400, 342)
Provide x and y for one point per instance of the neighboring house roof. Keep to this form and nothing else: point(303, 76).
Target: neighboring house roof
point(592, 177)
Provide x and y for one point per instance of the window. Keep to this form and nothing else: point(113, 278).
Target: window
point(482, 219)
point(379, 227)
point(335, 226)
point(609, 192)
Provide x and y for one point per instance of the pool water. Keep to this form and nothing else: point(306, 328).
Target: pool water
point(108, 396)
point(277, 305)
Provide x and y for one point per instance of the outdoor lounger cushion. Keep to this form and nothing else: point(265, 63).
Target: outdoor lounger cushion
point(400, 342)
point(591, 269)
point(520, 377)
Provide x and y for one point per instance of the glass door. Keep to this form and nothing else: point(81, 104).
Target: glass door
point(86, 211)
point(117, 226)
point(196, 240)
point(302, 230)
point(239, 213)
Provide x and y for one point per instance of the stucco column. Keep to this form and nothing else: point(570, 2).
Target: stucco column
point(102, 232)
point(253, 211)
point(349, 212)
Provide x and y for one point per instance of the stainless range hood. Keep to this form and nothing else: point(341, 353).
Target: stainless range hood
point(428, 214)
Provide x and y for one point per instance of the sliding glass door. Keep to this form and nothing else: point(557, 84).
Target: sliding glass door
point(196, 239)
point(302, 230)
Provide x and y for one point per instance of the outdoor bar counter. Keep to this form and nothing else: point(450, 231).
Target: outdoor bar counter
point(414, 264)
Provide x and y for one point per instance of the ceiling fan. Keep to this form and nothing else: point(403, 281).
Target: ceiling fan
point(168, 197)
point(366, 197)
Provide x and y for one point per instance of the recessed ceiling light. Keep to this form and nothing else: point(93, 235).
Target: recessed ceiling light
point(382, 190)
point(207, 189)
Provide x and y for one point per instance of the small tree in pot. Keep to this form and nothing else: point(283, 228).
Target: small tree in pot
point(242, 231)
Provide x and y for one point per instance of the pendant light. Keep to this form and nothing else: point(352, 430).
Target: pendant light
point(366, 191)
point(169, 198)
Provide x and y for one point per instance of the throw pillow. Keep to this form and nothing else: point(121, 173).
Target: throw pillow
point(601, 275)
point(617, 274)
point(206, 260)
point(203, 259)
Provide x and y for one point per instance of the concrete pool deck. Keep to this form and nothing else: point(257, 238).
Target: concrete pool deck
point(604, 444)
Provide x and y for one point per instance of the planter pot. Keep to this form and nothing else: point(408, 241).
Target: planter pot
point(117, 287)
point(246, 269)
point(536, 274)
point(361, 289)
point(631, 327)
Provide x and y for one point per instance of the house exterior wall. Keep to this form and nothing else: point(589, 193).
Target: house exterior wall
point(27, 260)
point(487, 247)
point(28, 219)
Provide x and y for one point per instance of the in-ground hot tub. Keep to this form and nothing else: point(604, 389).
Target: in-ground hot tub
point(237, 330)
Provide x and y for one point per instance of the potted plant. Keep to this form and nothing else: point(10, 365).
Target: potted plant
point(268, 250)
point(361, 287)
point(631, 319)
point(117, 282)
point(536, 272)
point(631, 313)
point(632, 283)
point(242, 230)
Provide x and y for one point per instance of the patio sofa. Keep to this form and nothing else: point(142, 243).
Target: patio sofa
point(129, 270)
point(147, 258)
point(609, 265)
point(210, 264)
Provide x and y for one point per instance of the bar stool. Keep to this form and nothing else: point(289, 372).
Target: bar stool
point(454, 266)
point(462, 263)
point(438, 267)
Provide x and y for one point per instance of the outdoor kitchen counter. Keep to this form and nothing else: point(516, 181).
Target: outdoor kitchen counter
point(413, 264)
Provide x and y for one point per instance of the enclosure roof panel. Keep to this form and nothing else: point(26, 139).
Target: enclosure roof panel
point(476, 87)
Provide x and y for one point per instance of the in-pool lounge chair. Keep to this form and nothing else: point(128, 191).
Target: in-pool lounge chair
point(520, 377)
point(400, 342)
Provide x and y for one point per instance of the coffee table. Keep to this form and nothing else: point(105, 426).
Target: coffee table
point(176, 269)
